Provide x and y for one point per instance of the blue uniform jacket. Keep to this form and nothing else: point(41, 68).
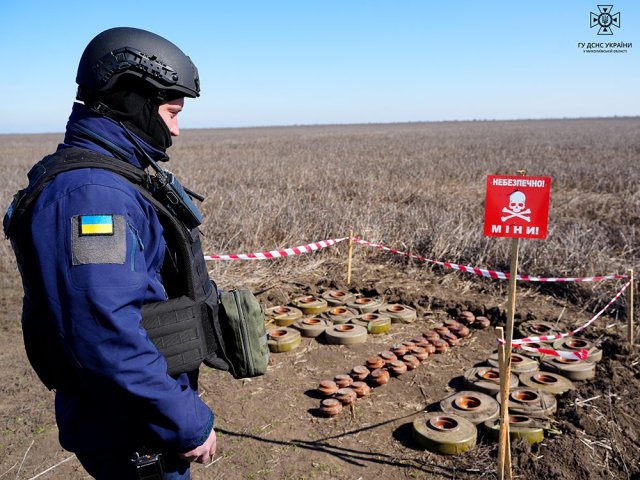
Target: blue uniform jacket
point(94, 292)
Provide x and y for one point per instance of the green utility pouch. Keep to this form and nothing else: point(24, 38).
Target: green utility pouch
point(241, 320)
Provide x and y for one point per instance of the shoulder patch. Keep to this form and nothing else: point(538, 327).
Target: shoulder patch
point(98, 239)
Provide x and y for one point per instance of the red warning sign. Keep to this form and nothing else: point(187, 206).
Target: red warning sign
point(517, 207)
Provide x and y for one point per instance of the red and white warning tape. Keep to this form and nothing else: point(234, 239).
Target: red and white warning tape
point(489, 273)
point(581, 354)
point(285, 252)
point(544, 338)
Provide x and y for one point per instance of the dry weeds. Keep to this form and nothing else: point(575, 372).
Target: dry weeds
point(420, 188)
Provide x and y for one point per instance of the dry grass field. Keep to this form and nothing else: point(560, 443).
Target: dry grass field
point(420, 188)
point(415, 187)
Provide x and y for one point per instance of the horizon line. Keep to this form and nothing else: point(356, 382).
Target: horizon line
point(353, 124)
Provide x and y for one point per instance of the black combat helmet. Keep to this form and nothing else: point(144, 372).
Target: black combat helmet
point(124, 52)
point(126, 73)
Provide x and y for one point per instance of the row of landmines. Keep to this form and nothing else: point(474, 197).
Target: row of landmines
point(536, 379)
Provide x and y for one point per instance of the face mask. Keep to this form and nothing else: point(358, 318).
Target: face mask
point(140, 114)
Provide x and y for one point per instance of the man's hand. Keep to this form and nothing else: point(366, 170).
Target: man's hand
point(204, 452)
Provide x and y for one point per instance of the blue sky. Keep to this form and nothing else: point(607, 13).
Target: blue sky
point(350, 61)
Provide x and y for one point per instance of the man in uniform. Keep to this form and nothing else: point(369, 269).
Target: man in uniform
point(92, 250)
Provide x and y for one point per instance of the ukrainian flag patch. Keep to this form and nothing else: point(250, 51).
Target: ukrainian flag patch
point(95, 225)
point(98, 239)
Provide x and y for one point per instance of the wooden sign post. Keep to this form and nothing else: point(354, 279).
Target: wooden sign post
point(350, 257)
point(516, 207)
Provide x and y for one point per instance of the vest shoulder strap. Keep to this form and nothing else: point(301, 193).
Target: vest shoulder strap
point(43, 172)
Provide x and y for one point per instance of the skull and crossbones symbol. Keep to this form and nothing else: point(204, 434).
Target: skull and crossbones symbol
point(517, 201)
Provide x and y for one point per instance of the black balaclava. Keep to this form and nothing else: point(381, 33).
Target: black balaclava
point(137, 108)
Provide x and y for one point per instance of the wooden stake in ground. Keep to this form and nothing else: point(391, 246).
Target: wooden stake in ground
point(630, 332)
point(349, 258)
point(504, 460)
point(506, 373)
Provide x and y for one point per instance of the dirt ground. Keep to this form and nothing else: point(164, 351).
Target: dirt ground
point(269, 427)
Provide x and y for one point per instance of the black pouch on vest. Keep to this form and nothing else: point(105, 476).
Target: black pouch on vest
point(241, 320)
point(181, 330)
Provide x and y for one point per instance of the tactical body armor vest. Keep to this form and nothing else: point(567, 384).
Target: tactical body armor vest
point(185, 328)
